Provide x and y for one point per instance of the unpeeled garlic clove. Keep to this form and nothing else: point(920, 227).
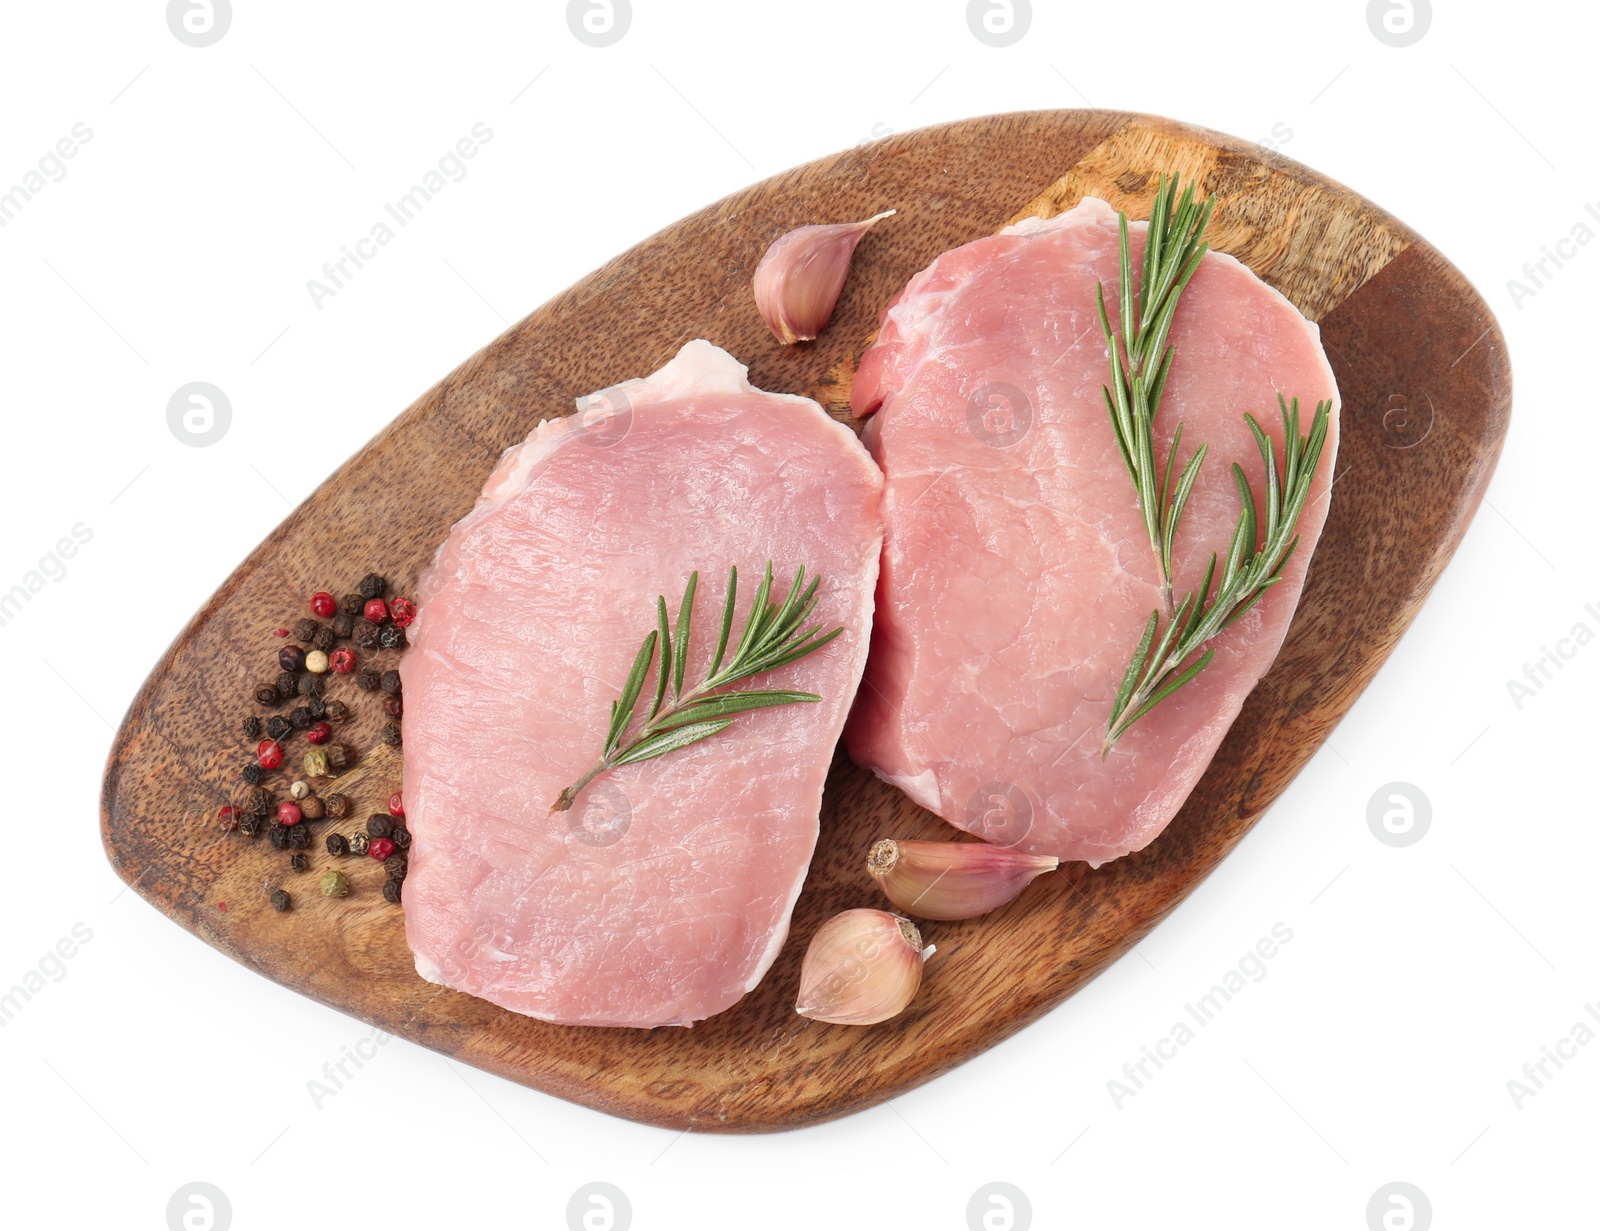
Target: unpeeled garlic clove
point(799, 279)
point(952, 880)
point(862, 967)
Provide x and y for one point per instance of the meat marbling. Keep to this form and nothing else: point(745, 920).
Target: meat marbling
point(664, 894)
point(1017, 574)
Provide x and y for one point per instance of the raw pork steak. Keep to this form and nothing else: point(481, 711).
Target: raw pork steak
point(664, 894)
point(1017, 574)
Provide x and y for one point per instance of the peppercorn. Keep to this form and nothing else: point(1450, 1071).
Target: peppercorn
point(318, 733)
point(322, 604)
point(380, 825)
point(365, 635)
point(395, 866)
point(351, 604)
point(289, 813)
point(300, 838)
point(280, 900)
point(278, 835)
point(316, 764)
point(390, 734)
point(310, 687)
point(312, 808)
point(402, 611)
point(400, 836)
point(228, 816)
point(393, 707)
point(392, 637)
point(368, 681)
point(258, 802)
point(380, 849)
point(343, 625)
point(376, 611)
point(318, 708)
point(373, 586)
point(299, 789)
point(251, 825)
point(300, 717)
point(335, 711)
point(291, 658)
point(337, 845)
point(304, 630)
point(391, 891)
point(267, 694)
point(334, 884)
point(339, 755)
point(252, 727)
point(358, 843)
point(316, 662)
point(299, 861)
point(342, 662)
point(278, 726)
point(391, 683)
point(324, 640)
point(338, 805)
point(252, 774)
point(397, 805)
point(270, 753)
point(287, 682)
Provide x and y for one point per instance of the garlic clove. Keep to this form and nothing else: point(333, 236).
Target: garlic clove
point(952, 880)
point(862, 967)
point(799, 278)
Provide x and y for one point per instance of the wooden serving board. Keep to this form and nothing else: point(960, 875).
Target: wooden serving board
point(1423, 372)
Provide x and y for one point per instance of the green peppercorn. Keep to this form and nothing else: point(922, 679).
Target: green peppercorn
point(334, 884)
point(252, 726)
point(390, 734)
point(351, 604)
point(286, 684)
point(358, 843)
point(299, 861)
point(373, 586)
point(337, 845)
point(280, 900)
point(368, 681)
point(395, 866)
point(252, 774)
point(312, 808)
point(278, 726)
point(400, 835)
point(316, 763)
point(380, 825)
point(390, 683)
point(392, 637)
point(391, 891)
point(335, 711)
point(305, 630)
point(338, 805)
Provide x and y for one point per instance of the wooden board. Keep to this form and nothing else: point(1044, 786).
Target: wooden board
point(1426, 386)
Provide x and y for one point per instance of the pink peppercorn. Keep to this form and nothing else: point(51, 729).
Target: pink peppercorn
point(289, 813)
point(270, 753)
point(318, 733)
point(402, 611)
point(376, 610)
point(342, 661)
point(323, 605)
point(380, 848)
point(396, 805)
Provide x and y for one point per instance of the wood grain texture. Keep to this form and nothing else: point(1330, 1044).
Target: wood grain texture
point(1426, 386)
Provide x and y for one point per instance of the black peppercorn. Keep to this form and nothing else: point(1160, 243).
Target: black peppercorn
point(305, 630)
point(395, 866)
point(365, 634)
point(351, 605)
point(252, 774)
point(318, 708)
point(259, 801)
point(392, 637)
point(300, 717)
point(300, 837)
point(291, 658)
point(368, 681)
point(299, 861)
point(338, 806)
point(343, 625)
point(252, 825)
point(267, 694)
point(278, 835)
point(390, 683)
point(379, 825)
point(280, 900)
point(286, 684)
point(393, 707)
point(338, 755)
point(335, 711)
point(337, 844)
point(390, 734)
point(278, 726)
point(252, 726)
point(310, 686)
point(400, 836)
point(358, 843)
point(373, 586)
point(391, 891)
point(324, 640)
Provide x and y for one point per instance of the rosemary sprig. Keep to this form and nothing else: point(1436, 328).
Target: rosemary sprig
point(1174, 247)
point(1157, 669)
point(773, 637)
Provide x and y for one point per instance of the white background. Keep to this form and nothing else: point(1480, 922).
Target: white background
point(177, 248)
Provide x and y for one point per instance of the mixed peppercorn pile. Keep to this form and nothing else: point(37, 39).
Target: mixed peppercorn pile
point(283, 800)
